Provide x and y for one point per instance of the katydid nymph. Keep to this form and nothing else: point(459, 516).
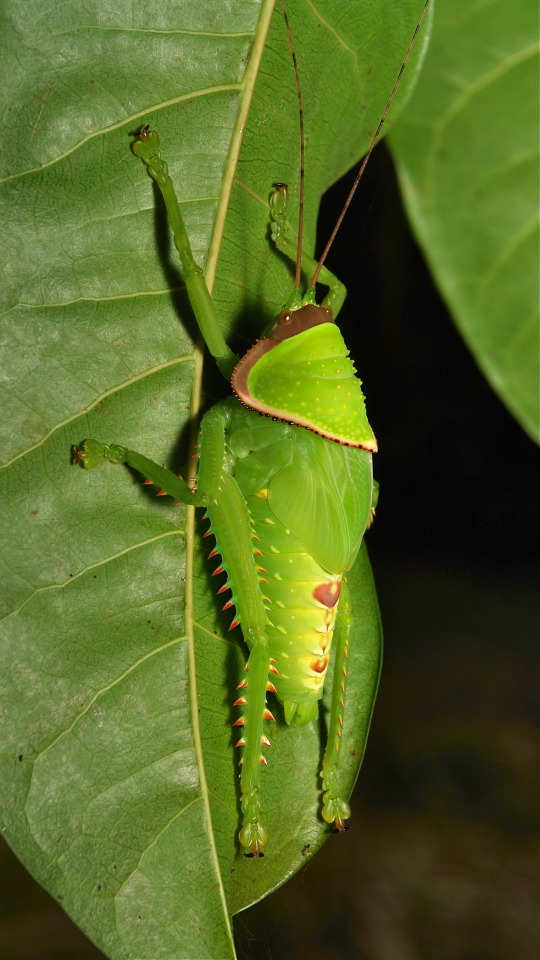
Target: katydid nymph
point(285, 477)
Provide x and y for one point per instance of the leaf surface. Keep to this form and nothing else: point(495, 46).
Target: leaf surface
point(467, 155)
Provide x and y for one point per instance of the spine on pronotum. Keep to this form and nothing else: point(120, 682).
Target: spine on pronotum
point(288, 495)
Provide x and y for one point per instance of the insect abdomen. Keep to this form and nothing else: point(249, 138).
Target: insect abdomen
point(302, 611)
point(308, 502)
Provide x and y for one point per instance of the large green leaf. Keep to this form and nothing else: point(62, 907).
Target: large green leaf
point(467, 153)
point(118, 776)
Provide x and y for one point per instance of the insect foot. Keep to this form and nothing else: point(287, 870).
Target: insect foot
point(253, 835)
point(278, 208)
point(335, 810)
point(92, 454)
point(147, 148)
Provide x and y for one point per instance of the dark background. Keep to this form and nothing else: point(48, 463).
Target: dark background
point(441, 862)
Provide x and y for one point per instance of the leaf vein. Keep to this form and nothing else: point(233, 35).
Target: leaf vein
point(91, 406)
point(105, 689)
point(92, 566)
point(151, 108)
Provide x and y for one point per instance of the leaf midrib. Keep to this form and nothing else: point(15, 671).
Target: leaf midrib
point(247, 88)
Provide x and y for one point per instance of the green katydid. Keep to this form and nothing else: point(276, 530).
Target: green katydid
point(285, 476)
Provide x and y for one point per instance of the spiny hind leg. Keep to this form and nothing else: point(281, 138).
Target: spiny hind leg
point(335, 808)
point(236, 541)
point(254, 687)
point(231, 525)
point(286, 241)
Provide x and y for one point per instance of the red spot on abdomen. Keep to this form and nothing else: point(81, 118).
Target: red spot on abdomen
point(319, 665)
point(328, 593)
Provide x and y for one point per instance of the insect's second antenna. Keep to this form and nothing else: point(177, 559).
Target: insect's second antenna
point(371, 148)
point(298, 273)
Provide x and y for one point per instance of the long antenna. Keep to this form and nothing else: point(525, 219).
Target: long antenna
point(298, 273)
point(370, 151)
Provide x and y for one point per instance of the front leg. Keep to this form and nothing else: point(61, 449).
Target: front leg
point(148, 149)
point(285, 241)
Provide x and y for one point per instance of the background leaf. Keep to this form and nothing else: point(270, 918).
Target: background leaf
point(118, 796)
point(467, 158)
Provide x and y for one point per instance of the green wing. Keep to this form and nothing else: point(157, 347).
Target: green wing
point(324, 497)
